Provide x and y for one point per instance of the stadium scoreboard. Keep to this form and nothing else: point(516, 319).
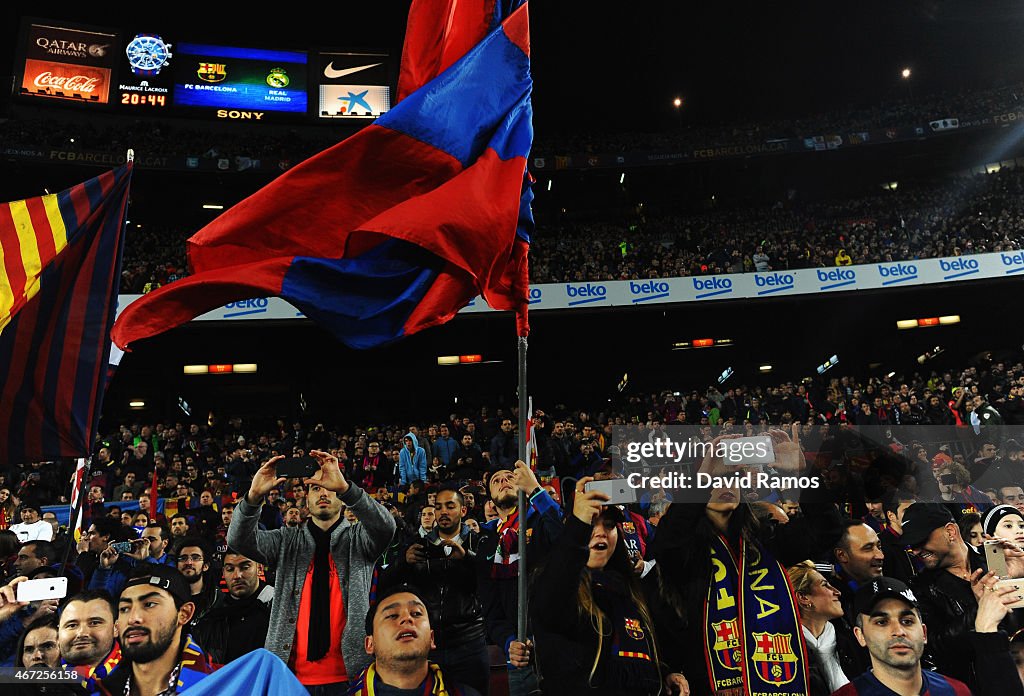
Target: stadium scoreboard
point(141, 69)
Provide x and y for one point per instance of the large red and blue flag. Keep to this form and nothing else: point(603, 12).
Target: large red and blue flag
point(401, 225)
point(60, 265)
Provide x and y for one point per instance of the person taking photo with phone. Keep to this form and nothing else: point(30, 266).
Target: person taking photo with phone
point(593, 628)
point(324, 572)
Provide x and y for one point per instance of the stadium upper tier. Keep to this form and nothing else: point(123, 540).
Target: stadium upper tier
point(952, 217)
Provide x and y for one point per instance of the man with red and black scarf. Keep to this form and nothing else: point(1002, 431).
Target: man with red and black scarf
point(498, 562)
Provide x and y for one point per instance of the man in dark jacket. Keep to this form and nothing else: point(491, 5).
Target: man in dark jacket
point(238, 622)
point(504, 446)
point(498, 562)
point(945, 591)
point(468, 461)
point(443, 565)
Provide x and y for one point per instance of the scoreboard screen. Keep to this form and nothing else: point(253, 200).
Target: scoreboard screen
point(239, 83)
point(144, 80)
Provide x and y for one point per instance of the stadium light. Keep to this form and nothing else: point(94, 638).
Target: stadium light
point(549, 184)
point(765, 369)
point(212, 206)
point(622, 178)
point(136, 404)
point(905, 74)
point(196, 369)
point(677, 102)
point(949, 319)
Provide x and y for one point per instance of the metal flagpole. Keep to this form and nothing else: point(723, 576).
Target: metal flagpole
point(524, 420)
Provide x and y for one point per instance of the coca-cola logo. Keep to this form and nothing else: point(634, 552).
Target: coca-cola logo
point(74, 83)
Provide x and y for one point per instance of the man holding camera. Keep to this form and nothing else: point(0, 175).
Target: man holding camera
point(324, 572)
point(443, 564)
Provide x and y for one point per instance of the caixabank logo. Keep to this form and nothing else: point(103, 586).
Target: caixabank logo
point(893, 273)
point(710, 286)
point(771, 283)
point(836, 278)
point(958, 268)
point(648, 290)
point(1013, 263)
point(585, 293)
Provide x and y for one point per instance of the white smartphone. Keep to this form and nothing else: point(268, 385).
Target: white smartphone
point(749, 451)
point(43, 588)
point(619, 492)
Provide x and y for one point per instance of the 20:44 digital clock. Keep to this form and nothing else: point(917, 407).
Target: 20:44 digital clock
point(132, 99)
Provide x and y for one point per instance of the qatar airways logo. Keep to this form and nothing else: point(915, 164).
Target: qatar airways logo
point(75, 83)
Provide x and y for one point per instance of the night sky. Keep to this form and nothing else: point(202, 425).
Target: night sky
point(617, 66)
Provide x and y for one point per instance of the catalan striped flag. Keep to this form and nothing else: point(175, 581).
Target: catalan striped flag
point(75, 524)
point(60, 264)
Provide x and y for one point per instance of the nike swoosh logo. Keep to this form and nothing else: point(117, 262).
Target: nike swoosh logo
point(333, 74)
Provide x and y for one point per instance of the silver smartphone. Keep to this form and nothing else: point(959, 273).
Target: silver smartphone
point(995, 556)
point(618, 491)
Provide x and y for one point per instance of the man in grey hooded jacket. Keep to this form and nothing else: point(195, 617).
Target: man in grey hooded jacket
point(324, 573)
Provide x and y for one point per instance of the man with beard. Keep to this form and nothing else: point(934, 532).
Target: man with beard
point(399, 637)
point(498, 568)
point(157, 655)
point(324, 572)
point(946, 587)
point(238, 622)
point(179, 527)
point(443, 564)
point(889, 625)
point(193, 564)
point(292, 517)
point(86, 636)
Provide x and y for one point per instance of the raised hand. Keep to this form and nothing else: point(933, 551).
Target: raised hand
point(265, 480)
point(329, 476)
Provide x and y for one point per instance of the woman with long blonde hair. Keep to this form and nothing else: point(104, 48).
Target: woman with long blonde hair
point(593, 629)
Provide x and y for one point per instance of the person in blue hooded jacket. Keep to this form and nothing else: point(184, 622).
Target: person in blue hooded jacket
point(412, 461)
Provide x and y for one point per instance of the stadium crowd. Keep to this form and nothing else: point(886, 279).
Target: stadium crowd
point(154, 137)
point(967, 106)
point(953, 217)
point(389, 564)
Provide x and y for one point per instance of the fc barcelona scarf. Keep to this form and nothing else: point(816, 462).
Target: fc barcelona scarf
point(433, 685)
point(753, 641)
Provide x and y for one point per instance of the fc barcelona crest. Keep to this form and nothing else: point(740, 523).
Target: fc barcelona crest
point(634, 629)
point(628, 528)
point(727, 644)
point(774, 657)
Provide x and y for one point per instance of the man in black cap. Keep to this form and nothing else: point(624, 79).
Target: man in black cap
point(889, 625)
point(946, 588)
point(158, 657)
point(399, 637)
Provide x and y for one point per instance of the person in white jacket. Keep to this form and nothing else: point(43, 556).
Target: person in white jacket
point(31, 527)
